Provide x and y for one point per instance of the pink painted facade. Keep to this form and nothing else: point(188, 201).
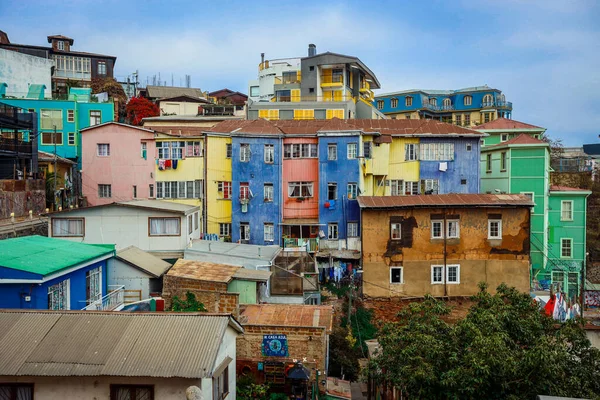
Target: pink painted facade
point(301, 170)
point(113, 154)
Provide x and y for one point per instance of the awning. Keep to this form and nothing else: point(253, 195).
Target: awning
point(302, 221)
point(347, 254)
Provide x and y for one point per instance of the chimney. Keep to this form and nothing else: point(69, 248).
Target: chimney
point(262, 58)
point(312, 50)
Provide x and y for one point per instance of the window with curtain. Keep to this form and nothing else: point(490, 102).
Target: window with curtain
point(160, 226)
point(300, 189)
point(67, 227)
point(17, 391)
point(131, 392)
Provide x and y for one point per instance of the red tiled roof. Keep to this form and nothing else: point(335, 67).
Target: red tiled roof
point(523, 138)
point(288, 315)
point(556, 188)
point(256, 126)
point(445, 200)
point(504, 123)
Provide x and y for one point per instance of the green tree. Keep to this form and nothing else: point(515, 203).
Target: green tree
point(190, 304)
point(505, 348)
point(248, 389)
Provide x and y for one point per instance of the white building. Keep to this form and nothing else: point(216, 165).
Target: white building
point(270, 73)
point(18, 71)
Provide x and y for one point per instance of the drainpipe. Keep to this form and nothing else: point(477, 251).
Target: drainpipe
point(205, 184)
point(280, 194)
point(445, 256)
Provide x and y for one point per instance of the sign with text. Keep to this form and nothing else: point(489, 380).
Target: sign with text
point(275, 346)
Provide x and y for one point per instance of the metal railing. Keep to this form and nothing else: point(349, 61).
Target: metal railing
point(497, 103)
point(311, 244)
point(433, 107)
point(111, 301)
point(332, 79)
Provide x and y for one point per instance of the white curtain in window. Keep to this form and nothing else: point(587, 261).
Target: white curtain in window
point(67, 227)
point(172, 226)
point(309, 190)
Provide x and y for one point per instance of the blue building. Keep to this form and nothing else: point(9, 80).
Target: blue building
point(465, 107)
point(256, 185)
point(44, 273)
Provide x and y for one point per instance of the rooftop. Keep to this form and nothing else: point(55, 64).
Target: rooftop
point(236, 254)
point(43, 255)
point(44, 156)
point(445, 200)
point(351, 60)
point(109, 123)
point(504, 124)
point(60, 37)
point(439, 92)
point(556, 188)
point(148, 204)
point(162, 92)
point(522, 139)
point(213, 272)
point(50, 343)
point(191, 118)
point(288, 315)
point(145, 261)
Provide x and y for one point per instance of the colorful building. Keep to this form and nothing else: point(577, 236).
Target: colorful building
point(444, 245)
point(521, 165)
point(465, 107)
point(503, 129)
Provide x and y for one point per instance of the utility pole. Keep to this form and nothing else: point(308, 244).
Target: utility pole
point(55, 171)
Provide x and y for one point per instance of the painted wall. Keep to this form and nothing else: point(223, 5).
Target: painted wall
point(464, 166)
point(301, 170)
point(480, 259)
point(13, 295)
point(123, 274)
point(218, 210)
point(419, 99)
point(256, 173)
point(123, 169)
point(246, 289)
point(178, 108)
point(19, 70)
point(125, 226)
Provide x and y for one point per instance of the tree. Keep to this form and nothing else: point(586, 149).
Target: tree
point(505, 348)
point(556, 147)
point(139, 108)
point(190, 304)
point(114, 90)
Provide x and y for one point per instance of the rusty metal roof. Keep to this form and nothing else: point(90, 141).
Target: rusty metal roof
point(213, 272)
point(51, 343)
point(446, 200)
point(299, 315)
point(507, 124)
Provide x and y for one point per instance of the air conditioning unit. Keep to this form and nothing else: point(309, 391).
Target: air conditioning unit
point(245, 207)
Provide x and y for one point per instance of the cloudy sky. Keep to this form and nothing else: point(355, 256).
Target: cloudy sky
point(544, 55)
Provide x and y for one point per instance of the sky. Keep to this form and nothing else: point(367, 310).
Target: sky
point(543, 54)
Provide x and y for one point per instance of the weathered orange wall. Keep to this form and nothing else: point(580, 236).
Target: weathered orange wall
point(301, 169)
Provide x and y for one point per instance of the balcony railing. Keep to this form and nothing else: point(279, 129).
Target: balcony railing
point(332, 79)
point(18, 146)
point(433, 107)
point(287, 99)
point(311, 244)
point(497, 103)
point(111, 301)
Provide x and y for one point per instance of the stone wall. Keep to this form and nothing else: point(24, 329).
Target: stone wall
point(213, 295)
point(21, 196)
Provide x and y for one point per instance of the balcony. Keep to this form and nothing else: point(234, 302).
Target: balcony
point(311, 244)
point(505, 105)
point(332, 80)
point(10, 145)
point(114, 300)
point(442, 108)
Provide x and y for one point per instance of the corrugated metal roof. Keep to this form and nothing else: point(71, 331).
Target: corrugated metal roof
point(159, 92)
point(252, 274)
point(522, 139)
point(556, 188)
point(111, 344)
point(445, 200)
point(505, 123)
point(143, 260)
point(148, 204)
point(288, 315)
point(214, 272)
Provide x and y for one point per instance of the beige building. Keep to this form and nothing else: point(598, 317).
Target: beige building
point(95, 355)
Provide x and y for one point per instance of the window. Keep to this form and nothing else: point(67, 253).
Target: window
point(95, 117)
point(101, 68)
point(488, 163)
point(463, 181)
point(486, 117)
point(332, 151)
point(51, 119)
point(407, 116)
point(194, 149)
point(352, 151)
point(437, 229)
point(304, 150)
point(103, 149)
point(177, 149)
point(164, 226)
point(352, 228)
point(16, 391)
point(504, 137)
point(190, 224)
point(51, 137)
point(224, 230)
point(453, 273)
point(352, 190)
point(104, 191)
point(433, 101)
point(380, 104)
point(269, 232)
point(71, 138)
point(144, 150)
point(134, 192)
point(452, 229)
point(93, 285)
point(395, 231)
point(447, 103)
point(311, 68)
point(181, 189)
point(367, 148)
point(196, 220)
point(529, 195)
point(566, 248)
point(396, 275)
point(60, 45)
point(67, 227)
point(164, 150)
point(458, 119)
point(488, 100)
point(300, 189)
point(437, 274)
point(58, 296)
point(332, 231)
point(409, 101)
point(494, 229)
point(268, 192)
point(131, 392)
point(224, 189)
point(468, 100)
point(397, 187)
point(430, 186)
point(332, 191)
point(151, 190)
point(467, 119)
point(311, 90)
point(245, 231)
point(70, 115)
point(244, 191)
point(254, 91)
point(221, 385)
point(566, 210)
point(411, 188)
point(394, 103)
point(469, 147)
point(244, 152)
point(159, 190)
point(436, 151)
point(269, 154)
point(503, 161)
point(228, 150)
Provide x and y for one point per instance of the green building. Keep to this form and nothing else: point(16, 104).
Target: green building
point(502, 130)
point(521, 165)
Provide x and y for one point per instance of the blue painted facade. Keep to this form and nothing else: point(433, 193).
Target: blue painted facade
point(465, 166)
point(342, 172)
point(81, 120)
point(256, 172)
point(13, 294)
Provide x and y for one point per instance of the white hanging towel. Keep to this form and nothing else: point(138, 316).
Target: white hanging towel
point(443, 166)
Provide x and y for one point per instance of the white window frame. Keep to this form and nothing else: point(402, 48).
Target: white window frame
point(488, 162)
point(562, 210)
point(562, 247)
point(164, 150)
point(401, 275)
point(103, 149)
point(394, 102)
point(440, 223)
point(448, 230)
point(531, 195)
point(245, 231)
point(60, 231)
point(468, 100)
point(397, 187)
point(332, 152)
point(436, 151)
point(448, 267)
point(352, 229)
point(269, 232)
point(302, 186)
point(352, 151)
point(490, 222)
point(224, 229)
point(224, 188)
point(333, 185)
point(411, 152)
point(504, 137)
point(96, 119)
point(503, 161)
point(409, 101)
point(177, 150)
point(245, 191)
point(244, 152)
point(104, 191)
point(268, 192)
point(394, 226)
point(64, 290)
point(228, 150)
point(269, 156)
point(413, 186)
point(352, 190)
point(164, 231)
point(441, 275)
point(431, 184)
point(380, 104)
point(93, 280)
point(193, 149)
point(60, 45)
point(333, 232)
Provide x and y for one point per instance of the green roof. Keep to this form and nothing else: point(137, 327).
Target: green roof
point(43, 255)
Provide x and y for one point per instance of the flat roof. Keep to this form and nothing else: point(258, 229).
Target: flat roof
point(445, 200)
point(148, 204)
point(233, 250)
point(299, 315)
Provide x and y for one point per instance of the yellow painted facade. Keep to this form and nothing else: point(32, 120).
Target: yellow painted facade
point(304, 114)
point(268, 114)
point(335, 113)
point(218, 210)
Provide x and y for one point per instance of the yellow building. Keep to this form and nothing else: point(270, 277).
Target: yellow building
point(218, 184)
point(64, 195)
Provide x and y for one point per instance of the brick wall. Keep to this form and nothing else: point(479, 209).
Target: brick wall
point(21, 196)
point(213, 295)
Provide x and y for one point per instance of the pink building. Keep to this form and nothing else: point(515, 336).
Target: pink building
point(117, 163)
